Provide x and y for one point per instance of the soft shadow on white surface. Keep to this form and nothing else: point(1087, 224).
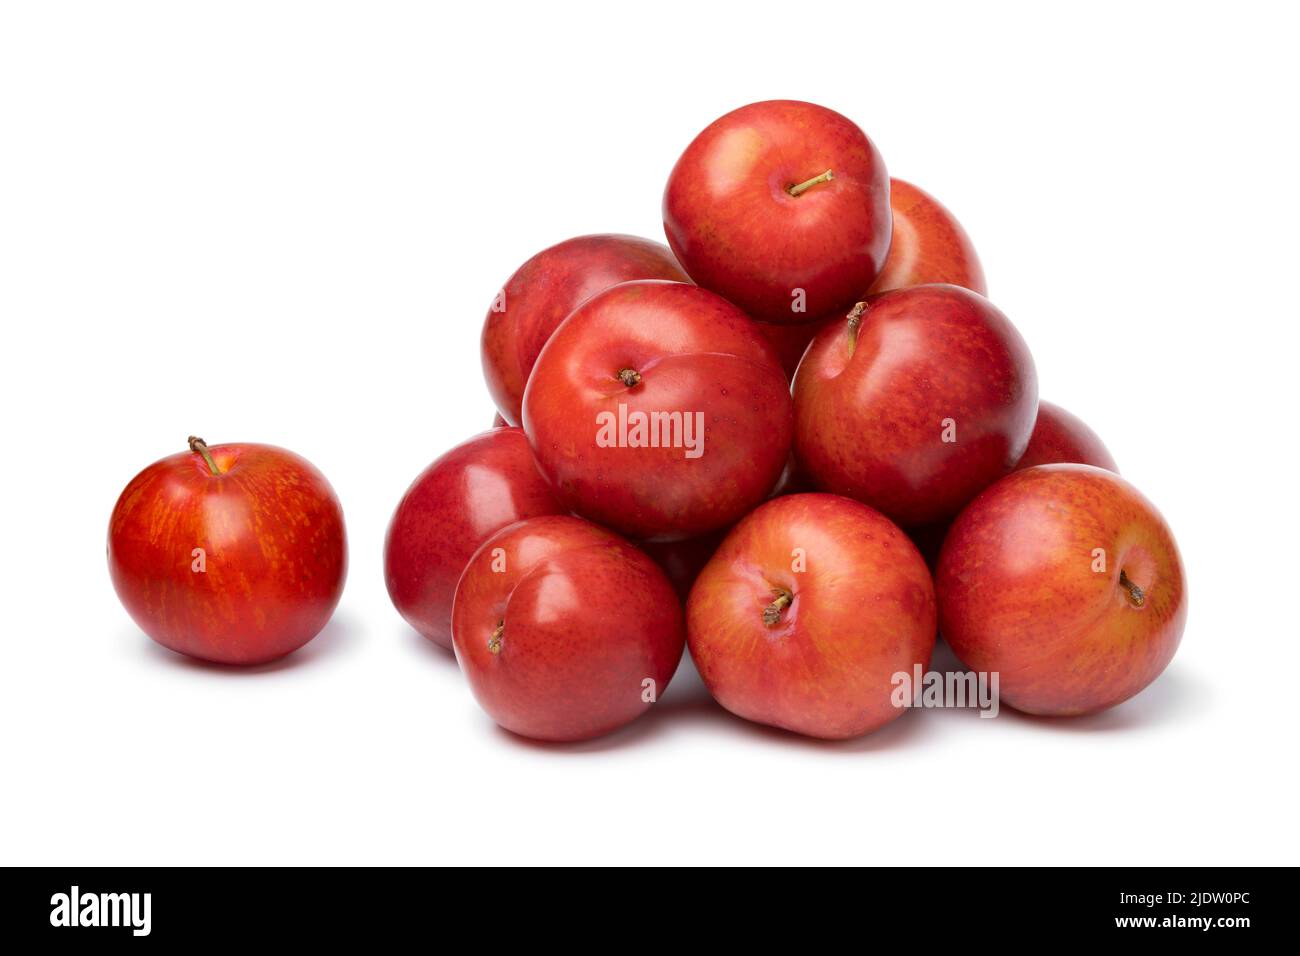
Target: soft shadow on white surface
point(1172, 699)
point(343, 636)
point(1175, 697)
point(424, 649)
point(687, 708)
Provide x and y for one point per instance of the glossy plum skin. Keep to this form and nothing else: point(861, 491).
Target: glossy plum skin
point(274, 553)
point(1058, 438)
point(929, 245)
point(1062, 438)
point(544, 290)
point(559, 624)
point(862, 611)
point(1021, 591)
point(927, 363)
point(695, 354)
point(736, 229)
point(452, 507)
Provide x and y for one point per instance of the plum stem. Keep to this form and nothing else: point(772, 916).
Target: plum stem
point(855, 321)
point(200, 446)
point(772, 613)
point(799, 189)
point(629, 377)
point(1135, 593)
point(494, 642)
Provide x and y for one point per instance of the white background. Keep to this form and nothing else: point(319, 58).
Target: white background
point(284, 223)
